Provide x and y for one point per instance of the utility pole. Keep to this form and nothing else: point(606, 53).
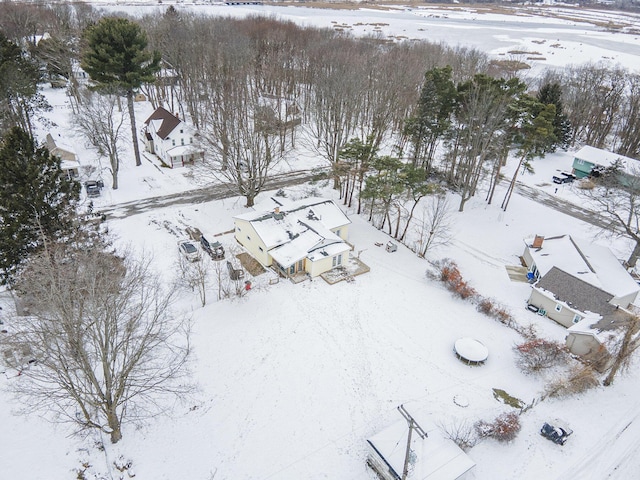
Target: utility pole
point(413, 425)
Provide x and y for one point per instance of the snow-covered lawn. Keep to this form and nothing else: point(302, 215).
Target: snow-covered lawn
point(294, 378)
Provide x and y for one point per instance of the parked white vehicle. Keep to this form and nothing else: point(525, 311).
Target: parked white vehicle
point(189, 250)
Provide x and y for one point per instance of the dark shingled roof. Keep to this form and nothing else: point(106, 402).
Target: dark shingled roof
point(576, 292)
point(169, 121)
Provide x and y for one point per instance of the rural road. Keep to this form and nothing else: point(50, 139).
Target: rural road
point(220, 191)
point(201, 195)
point(563, 206)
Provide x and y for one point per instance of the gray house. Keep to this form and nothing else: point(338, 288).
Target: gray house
point(575, 280)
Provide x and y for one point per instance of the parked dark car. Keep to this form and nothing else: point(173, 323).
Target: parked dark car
point(555, 433)
point(93, 187)
point(564, 177)
point(215, 249)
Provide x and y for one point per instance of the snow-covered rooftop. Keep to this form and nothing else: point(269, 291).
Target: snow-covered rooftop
point(292, 230)
point(296, 249)
point(182, 150)
point(592, 263)
point(605, 158)
point(436, 457)
point(294, 217)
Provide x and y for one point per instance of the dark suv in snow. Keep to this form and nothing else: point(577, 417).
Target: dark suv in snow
point(564, 177)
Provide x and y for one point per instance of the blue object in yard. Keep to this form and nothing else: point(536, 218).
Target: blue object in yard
point(530, 277)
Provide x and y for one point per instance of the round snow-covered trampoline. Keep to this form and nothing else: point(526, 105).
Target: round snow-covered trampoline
point(470, 351)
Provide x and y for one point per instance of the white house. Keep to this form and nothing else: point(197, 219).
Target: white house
point(576, 280)
point(171, 139)
point(305, 237)
point(433, 457)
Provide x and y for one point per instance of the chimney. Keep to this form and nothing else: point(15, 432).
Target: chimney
point(176, 115)
point(537, 241)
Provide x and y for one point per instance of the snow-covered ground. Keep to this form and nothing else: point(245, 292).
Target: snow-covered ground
point(294, 378)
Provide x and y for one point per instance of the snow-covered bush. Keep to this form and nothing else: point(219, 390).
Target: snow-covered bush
point(447, 272)
point(492, 309)
point(538, 354)
point(504, 428)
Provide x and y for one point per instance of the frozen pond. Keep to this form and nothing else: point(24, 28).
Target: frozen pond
point(548, 41)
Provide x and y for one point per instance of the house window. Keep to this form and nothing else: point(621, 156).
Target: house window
point(338, 232)
point(248, 238)
point(260, 248)
point(182, 141)
point(190, 140)
point(300, 265)
point(558, 307)
point(337, 260)
point(579, 161)
point(292, 269)
point(576, 318)
point(173, 142)
point(181, 130)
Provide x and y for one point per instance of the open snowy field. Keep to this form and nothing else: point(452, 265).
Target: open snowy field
point(294, 378)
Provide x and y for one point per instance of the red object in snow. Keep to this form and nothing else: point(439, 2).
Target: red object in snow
point(247, 285)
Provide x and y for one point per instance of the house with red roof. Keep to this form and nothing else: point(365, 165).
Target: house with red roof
point(171, 139)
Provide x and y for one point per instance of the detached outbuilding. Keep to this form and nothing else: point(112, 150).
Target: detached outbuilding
point(68, 158)
point(433, 457)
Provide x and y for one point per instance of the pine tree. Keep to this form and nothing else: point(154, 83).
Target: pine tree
point(115, 55)
point(36, 200)
point(433, 115)
point(551, 93)
point(19, 77)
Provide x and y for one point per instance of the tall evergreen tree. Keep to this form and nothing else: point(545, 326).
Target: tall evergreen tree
point(433, 115)
point(19, 77)
point(116, 55)
point(36, 200)
point(551, 93)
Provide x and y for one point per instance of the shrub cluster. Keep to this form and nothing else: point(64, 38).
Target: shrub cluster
point(538, 354)
point(449, 274)
point(492, 309)
point(504, 428)
point(579, 380)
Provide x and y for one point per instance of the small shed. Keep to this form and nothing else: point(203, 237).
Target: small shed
point(67, 156)
point(433, 457)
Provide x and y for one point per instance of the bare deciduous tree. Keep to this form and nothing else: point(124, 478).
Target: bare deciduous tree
point(107, 347)
point(616, 197)
point(434, 225)
point(623, 350)
point(100, 120)
point(195, 275)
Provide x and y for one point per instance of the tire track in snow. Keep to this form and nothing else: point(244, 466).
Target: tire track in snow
point(614, 455)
